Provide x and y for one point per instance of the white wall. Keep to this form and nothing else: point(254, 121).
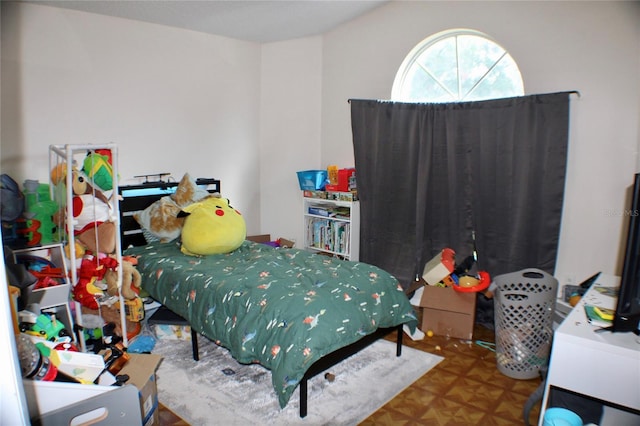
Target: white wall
point(289, 130)
point(173, 100)
point(592, 47)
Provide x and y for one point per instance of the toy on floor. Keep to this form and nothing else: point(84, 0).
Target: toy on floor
point(142, 343)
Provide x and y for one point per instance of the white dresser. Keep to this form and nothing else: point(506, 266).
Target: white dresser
point(598, 364)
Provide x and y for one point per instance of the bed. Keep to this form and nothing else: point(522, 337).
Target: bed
point(294, 312)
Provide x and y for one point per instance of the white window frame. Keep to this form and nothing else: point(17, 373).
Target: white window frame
point(412, 58)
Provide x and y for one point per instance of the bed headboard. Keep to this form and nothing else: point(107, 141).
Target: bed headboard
point(134, 198)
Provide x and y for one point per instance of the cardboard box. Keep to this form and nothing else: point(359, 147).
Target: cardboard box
point(266, 239)
point(445, 311)
point(286, 243)
point(141, 369)
point(263, 238)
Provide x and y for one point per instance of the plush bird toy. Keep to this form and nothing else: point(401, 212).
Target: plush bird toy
point(211, 226)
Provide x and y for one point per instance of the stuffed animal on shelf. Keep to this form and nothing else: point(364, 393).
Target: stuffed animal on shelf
point(89, 288)
point(97, 166)
point(211, 226)
point(92, 226)
point(131, 280)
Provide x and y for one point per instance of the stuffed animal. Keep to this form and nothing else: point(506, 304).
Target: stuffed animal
point(89, 288)
point(211, 226)
point(97, 166)
point(92, 226)
point(131, 281)
point(79, 250)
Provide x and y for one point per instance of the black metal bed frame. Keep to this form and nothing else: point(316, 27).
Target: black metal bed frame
point(131, 200)
point(134, 198)
point(166, 316)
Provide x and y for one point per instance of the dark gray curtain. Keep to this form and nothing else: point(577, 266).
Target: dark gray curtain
point(431, 174)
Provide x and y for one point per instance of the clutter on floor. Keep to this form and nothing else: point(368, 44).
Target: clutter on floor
point(445, 296)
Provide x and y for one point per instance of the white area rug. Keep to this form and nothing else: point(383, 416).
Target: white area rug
point(218, 390)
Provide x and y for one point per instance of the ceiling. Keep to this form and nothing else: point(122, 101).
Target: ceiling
point(261, 21)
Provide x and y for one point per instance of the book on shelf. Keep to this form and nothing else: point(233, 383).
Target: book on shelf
point(320, 211)
point(329, 235)
point(337, 212)
point(342, 212)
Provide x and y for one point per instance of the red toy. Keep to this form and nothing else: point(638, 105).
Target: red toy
point(86, 291)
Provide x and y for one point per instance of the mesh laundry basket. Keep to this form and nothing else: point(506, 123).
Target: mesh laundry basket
point(524, 306)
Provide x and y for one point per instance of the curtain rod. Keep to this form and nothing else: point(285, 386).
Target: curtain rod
point(571, 92)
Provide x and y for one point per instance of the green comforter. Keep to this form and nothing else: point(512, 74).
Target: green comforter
point(283, 308)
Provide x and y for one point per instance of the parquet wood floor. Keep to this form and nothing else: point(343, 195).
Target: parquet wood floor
point(466, 388)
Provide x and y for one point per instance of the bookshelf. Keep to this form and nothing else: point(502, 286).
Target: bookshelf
point(332, 227)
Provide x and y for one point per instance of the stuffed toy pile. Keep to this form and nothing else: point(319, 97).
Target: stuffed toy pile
point(206, 222)
point(92, 226)
point(94, 235)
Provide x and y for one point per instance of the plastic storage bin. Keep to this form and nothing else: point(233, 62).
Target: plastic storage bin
point(312, 180)
point(524, 307)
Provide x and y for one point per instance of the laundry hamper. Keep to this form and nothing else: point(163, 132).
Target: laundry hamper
point(524, 303)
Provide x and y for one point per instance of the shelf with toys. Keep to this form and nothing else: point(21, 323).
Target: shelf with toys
point(73, 294)
point(84, 185)
point(47, 299)
point(331, 212)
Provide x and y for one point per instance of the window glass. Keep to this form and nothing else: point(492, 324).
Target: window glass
point(457, 65)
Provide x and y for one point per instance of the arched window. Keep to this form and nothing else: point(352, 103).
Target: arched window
point(455, 66)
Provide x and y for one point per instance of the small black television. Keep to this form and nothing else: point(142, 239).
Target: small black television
point(627, 314)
